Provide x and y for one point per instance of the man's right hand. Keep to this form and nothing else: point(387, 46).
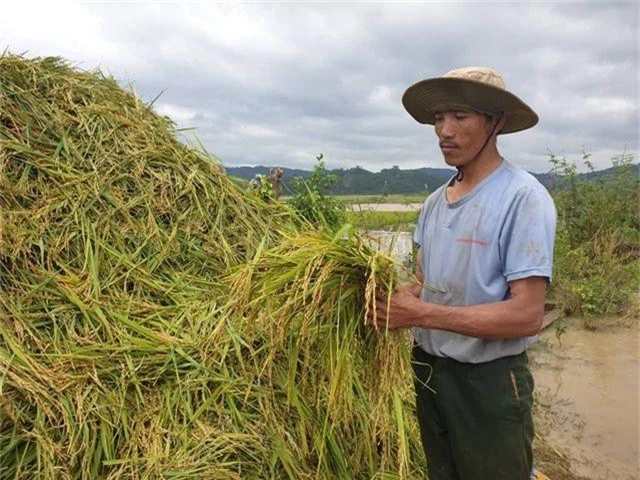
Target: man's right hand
point(400, 309)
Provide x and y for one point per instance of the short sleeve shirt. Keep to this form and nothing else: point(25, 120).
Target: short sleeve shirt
point(502, 230)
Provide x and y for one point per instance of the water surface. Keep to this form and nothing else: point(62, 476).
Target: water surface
point(589, 385)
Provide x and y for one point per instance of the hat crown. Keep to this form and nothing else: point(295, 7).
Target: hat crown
point(478, 74)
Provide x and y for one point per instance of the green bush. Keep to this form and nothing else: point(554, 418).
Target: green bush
point(311, 199)
point(597, 243)
point(597, 279)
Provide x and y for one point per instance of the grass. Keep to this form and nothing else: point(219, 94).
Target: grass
point(392, 198)
point(374, 220)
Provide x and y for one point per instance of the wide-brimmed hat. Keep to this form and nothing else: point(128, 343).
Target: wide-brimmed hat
point(478, 88)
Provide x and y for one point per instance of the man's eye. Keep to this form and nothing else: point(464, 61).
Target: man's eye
point(461, 116)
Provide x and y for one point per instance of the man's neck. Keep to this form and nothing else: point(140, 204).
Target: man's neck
point(473, 173)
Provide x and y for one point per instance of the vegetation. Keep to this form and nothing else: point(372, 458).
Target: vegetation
point(359, 181)
point(375, 220)
point(350, 399)
point(158, 321)
point(402, 199)
point(597, 257)
point(312, 202)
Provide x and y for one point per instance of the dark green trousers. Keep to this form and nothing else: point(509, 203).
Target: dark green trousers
point(475, 419)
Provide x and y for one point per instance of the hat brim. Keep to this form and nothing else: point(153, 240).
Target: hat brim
point(423, 98)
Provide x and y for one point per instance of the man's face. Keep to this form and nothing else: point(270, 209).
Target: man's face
point(461, 134)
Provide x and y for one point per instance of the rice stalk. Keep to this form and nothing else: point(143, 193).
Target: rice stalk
point(157, 322)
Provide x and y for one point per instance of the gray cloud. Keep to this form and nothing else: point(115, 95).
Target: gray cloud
point(279, 83)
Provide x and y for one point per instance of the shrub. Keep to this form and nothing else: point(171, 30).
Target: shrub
point(312, 202)
point(596, 266)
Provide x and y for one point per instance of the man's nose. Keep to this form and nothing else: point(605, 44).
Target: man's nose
point(446, 128)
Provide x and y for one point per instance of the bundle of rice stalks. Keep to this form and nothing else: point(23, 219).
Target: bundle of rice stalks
point(345, 385)
point(122, 351)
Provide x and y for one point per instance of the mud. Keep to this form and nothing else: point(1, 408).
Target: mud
point(587, 401)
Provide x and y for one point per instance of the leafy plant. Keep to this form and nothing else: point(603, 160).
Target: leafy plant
point(311, 199)
point(262, 187)
point(597, 242)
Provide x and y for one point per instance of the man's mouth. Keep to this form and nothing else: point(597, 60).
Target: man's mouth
point(447, 146)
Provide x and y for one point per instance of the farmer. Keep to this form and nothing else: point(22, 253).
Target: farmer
point(485, 245)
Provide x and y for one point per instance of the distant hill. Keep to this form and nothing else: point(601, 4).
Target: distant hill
point(358, 181)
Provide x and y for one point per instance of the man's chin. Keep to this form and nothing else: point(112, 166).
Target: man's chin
point(452, 161)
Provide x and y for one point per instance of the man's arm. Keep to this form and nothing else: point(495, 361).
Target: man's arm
point(520, 315)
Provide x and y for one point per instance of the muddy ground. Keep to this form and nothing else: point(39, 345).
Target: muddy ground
point(586, 408)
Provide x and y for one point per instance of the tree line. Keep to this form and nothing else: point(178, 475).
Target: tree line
point(394, 180)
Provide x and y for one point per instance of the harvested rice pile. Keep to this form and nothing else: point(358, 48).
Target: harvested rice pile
point(156, 322)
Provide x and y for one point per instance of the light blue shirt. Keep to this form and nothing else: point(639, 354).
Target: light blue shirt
point(500, 231)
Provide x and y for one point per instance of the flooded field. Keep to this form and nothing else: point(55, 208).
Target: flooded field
point(587, 394)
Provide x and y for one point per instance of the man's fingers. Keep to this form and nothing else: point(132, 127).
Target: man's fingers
point(380, 309)
point(381, 294)
point(382, 306)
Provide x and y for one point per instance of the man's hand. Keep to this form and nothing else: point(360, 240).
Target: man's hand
point(518, 316)
point(401, 309)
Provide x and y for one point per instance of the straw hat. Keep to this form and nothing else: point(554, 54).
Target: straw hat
point(478, 88)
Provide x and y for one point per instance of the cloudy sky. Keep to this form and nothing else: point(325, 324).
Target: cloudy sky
point(271, 84)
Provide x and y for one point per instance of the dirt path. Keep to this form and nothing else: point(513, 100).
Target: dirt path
point(587, 402)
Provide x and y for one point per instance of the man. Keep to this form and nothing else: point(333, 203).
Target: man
point(484, 260)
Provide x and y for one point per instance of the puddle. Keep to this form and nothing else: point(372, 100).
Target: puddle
point(587, 388)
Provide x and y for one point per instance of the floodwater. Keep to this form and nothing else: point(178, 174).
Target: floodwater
point(587, 386)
